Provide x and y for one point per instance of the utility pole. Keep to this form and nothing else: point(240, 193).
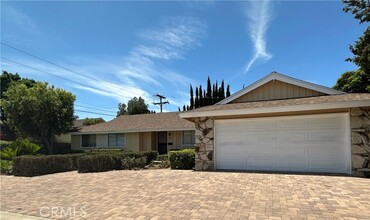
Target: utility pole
point(161, 102)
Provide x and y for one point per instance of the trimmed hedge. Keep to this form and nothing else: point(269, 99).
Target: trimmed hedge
point(130, 163)
point(183, 159)
point(41, 165)
point(163, 157)
point(95, 163)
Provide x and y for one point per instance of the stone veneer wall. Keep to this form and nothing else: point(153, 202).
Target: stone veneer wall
point(360, 141)
point(204, 140)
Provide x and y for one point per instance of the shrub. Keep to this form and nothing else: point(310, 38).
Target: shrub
point(163, 157)
point(150, 156)
point(18, 148)
point(6, 167)
point(130, 163)
point(184, 159)
point(4, 144)
point(95, 163)
point(41, 165)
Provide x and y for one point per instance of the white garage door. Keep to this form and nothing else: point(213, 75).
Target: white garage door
point(315, 143)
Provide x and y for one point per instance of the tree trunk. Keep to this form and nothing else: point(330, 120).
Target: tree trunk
point(48, 143)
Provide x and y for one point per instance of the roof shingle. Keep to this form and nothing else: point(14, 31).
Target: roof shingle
point(144, 122)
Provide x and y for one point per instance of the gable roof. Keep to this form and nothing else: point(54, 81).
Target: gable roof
point(168, 121)
point(287, 105)
point(283, 78)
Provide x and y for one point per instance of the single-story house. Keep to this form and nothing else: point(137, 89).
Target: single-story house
point(280, 123)
point(158, 131)
point(66, 138)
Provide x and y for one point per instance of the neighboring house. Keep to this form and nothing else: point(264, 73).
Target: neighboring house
point(280, 123)
point(66, 138)
point(159, 131)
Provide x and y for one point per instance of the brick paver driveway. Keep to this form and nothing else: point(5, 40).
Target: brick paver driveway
point(172, 194)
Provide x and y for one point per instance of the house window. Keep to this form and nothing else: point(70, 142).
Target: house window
point(89, 140)
point(188, 137)
point(116, 140)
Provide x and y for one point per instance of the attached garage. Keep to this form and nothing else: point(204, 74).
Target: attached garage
point(280, 123)
point(315, 143)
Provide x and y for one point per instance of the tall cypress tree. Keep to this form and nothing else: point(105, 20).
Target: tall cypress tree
point(222, 90)
point(183, 108)
point(228, 91)
point(216, 93)
point(191, 97)
point(201, 100)
point(209, 89)
point(196, 101)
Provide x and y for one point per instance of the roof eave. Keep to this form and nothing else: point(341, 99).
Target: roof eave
point(277, 109)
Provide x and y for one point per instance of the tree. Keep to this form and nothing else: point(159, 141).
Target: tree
point(359, 8)
point(137, 106)
point(8, 79)
point(191, 97)
point(122, 109)
point(201, 100)
point(196, 101)
point(361, 52)
point(228, 91)
point(92, 121)
point(353, 82)
point(40, 112)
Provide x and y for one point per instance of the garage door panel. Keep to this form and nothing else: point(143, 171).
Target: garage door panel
point(291, 123)
point(230, 152)
point(253, 125)
point(312, 143)
point(326, 135)
point(326, 122)
point(260, 164)
point(291, 165)
point(232, 164)
point(231, 127)
point(326, 165)
point(291, 135)
point(261, 150)
point(291, 150)
point(326, 150)
point(260, 136)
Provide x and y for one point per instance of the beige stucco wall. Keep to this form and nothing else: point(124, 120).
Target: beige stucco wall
point(75, 142)
point(277, 90)
point(63, 138)
point(101, 140)
point(145, 141)
point(132, 141)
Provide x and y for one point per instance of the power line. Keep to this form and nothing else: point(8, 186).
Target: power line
point(93, 108)
point(52, 63)
point(96, 113)
point(21, 64)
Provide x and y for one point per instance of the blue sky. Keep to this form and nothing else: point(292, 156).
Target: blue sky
point(129, 49)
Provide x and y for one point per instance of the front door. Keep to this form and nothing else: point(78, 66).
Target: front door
point(162, 142)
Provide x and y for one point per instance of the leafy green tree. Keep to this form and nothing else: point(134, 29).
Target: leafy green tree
point(361, 52)
point(353, 82)
point(122, 109)
point(8, 79)
point(359, 8)
point(40, 112)
point(92, 121)
point(137, 106)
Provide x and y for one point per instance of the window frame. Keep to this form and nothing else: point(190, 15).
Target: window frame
point(192, 138)
point(116, 138)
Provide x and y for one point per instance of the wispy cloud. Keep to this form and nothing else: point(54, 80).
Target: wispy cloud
point(259, 17)
point(143, 71)
point(170, 41)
